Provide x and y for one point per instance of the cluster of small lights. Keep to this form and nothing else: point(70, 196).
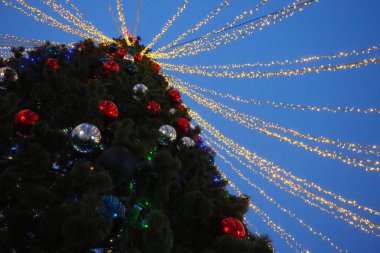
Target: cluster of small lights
point(275, 174)
point(206, 45)
point(285, 62)
point(259, 74)
point(278, 205)
point(113, 16)
point(289, 106)
point(126, 33)
point(76, 20)
point(236, 19)
point(44, 18)
point(358, 148)
point(287, 237)
point(10, 40)
point(166, 26)
point(259, 125)
point(192, 30)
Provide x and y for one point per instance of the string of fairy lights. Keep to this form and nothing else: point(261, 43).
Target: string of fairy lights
point(272, 170)
point(333, 204)
point(196, 28)
point(274, 202)
point(288, 106)
point(120, 11)
point(202, 44)
point(76, 20)
point(258, 74)
point(243, 119)
point(166, 26)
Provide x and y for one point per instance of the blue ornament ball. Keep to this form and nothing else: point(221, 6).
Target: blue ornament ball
point(113, 208)
point(132, 69)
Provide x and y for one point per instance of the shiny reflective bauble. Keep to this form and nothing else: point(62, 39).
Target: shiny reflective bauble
point(7, 75)
point(138, 91)
point(128, 57)
point(172, 111)
point(185, 143)
point(113, 207)
point(85, 138)
point(233, 226)
point(167, 135)
point(132, 69)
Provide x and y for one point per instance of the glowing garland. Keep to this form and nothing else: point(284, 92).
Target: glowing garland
point(166, 26)
point(78, 21)
point(113, 16)
point(278, 205)
point(202, 44)
point(271, 169)
point(230, 24)
point(266, 219)
point(243, 119)
point(288, 106)
point(258, 74)
point(126, 33)
point(358, 148)
point(42, 17)
point(192, 30)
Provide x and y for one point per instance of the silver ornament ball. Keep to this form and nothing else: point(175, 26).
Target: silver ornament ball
point(85, 138)
point(185, 143)
point(167, 135)
point(7, 75)
point(138, 91)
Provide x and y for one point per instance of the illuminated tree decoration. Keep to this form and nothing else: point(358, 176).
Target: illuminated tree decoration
point(109, 109)
point(233, 226)
point(52, 63)
point(24, 121)
point(110, 66)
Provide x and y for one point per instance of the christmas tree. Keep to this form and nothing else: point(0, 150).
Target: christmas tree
point(98, 154)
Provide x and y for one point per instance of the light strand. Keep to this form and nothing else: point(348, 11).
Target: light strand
point(40, 16)
point(287, 237)
point(75, 20)
point(196, 28)
point(269, 167)
point(289, 106)
point(114, 17)
point(126, 33)
point(278, 205)
point(258, 74)
point(166, 26)
point(228, 25)
point(243, 119)
point(202, 45)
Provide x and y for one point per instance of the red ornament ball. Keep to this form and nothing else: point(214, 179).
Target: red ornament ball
point(156, 66)
point(52, 63)
point(137, 57)
point(24, 121)
point(122, 52)
point(110, 66)
point(175, 95)
point(183, 125)
point(181, 107)
point(154, 108)
point(109, 109)
point(233, 226)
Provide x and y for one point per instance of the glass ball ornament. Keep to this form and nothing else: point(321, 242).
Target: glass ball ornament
point(128, 57)
point(132, 69)
point(114, 208)
point(138, 91)
point(85, 138)
point(167, 135)
point(24, 121)
point(185, 143)
point(233, 226)
point(7, 75)
point(172, 111)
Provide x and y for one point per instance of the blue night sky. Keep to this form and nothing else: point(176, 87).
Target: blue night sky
point(324, 28)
